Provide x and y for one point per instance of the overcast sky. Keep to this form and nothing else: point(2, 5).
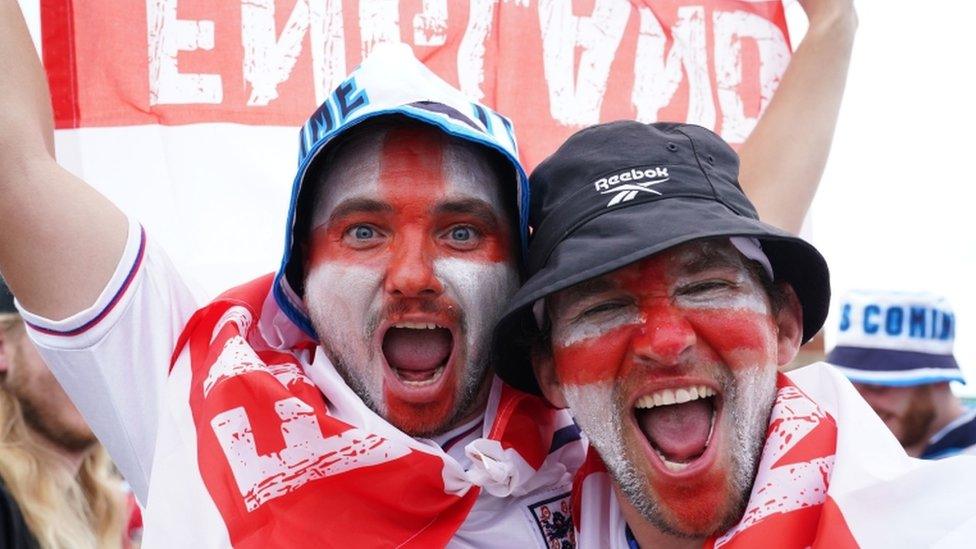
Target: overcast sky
point(895, 208)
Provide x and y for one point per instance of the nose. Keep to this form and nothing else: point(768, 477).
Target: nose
point(411, 271)
point(664, 337)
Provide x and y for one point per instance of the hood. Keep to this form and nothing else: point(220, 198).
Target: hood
point(390, 82)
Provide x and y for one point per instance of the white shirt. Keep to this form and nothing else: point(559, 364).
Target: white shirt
point(113, 359)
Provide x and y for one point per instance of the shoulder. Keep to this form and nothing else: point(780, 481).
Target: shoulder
point(959, 437)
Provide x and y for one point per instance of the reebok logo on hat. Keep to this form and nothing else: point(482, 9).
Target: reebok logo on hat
point(627, 184)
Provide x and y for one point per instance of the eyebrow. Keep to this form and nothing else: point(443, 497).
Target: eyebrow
point(359, 205)
point(586, 289)
point(470, 206)
point(711, 258)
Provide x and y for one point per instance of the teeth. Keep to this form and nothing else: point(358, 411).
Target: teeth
point(416, 384)
point(671, 465)
point(665, 397)
point(416, 325)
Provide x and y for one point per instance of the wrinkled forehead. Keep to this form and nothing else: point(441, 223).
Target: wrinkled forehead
point(374, 164)
point(667, 267)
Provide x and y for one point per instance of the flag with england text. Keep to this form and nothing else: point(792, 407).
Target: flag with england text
point(186, 112)
point(831, 475)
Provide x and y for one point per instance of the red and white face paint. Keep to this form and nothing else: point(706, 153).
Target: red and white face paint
point(669, 366)
point(409, 267)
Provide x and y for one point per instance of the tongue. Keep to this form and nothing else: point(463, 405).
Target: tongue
point(416, 350)
point(679, 431)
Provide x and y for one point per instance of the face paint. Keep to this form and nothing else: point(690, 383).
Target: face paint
point(669, 367)
point(408, 266)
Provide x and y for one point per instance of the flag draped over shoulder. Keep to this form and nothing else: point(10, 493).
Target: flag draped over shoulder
point(831, 475)
point(395, 490)
point(177, 108)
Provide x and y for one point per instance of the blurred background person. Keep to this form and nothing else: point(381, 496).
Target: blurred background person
point(57, 485)
point(897, 349)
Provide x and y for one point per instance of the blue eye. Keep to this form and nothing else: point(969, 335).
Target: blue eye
point(363, 232)
point(462, 234)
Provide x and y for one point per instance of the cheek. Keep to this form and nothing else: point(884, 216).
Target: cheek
point(496, 248)
point(594, 360)
point(480, 291)
point(338, 294)
point(739, 337)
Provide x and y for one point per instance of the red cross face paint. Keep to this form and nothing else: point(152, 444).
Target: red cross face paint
point(409, 266)
point(669, 366)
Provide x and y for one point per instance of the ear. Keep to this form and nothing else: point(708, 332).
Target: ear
point(545, 374)
point(789, 324)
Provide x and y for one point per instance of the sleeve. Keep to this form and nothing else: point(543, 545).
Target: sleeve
point(113, 358)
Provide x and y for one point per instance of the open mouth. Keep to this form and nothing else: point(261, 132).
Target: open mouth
point(418, 352)
point(678, 423)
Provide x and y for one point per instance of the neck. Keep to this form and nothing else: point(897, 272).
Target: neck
point(647, 534)
point(948, 407)
point(480, 404)
point(70, 460)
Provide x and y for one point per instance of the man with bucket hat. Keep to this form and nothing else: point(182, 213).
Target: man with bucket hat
point(659, 310)
point(897, 349)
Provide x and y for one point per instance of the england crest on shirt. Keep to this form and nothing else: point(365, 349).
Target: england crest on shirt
point(554, 518)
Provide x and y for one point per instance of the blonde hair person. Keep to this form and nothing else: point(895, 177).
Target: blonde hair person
point(51, 464)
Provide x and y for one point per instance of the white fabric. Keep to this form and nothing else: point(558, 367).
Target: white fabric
point(116, 373)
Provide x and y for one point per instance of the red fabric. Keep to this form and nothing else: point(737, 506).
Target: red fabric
point(397, 499)
point(315, 510)
point(133, 527)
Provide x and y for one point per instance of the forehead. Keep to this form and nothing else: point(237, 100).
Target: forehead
point(668, 266)
point(412, 159)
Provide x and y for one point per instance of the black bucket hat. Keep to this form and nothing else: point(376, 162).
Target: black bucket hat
point(616, 193)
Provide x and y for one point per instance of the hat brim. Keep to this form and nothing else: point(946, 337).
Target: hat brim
point(609, 242)
point(894, 368)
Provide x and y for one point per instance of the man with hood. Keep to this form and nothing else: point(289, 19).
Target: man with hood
point(346, 400)
point(661, 311)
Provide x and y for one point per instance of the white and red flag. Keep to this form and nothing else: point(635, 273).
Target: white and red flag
point(185, 112)
point(831, 476)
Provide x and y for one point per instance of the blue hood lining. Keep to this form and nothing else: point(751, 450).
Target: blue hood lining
point(288, 300)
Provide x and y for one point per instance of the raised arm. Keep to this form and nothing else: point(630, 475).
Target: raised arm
point(784, 157)
point(60, 240)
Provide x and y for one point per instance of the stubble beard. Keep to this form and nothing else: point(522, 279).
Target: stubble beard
point(918, 418)
point(748, 403)
point(346, 350)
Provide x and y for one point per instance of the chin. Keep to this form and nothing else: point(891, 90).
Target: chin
point(694, 506)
